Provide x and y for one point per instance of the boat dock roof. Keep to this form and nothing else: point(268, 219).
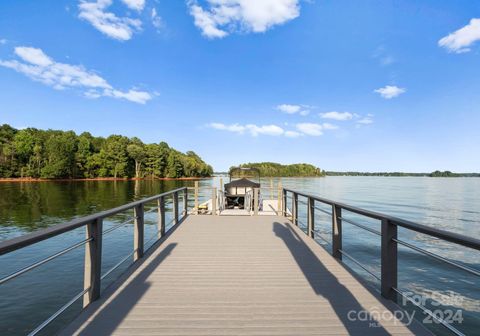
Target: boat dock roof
point(239, 275)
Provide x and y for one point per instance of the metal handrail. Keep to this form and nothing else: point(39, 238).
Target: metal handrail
point(43, 261)
point(35, 237)
point(438, 257)
point(430, 313)
point(360, 226)
point(58, 312)
point(131, 254)
point(442, 234)
point(30, 239)
point(359, 264)
point(113, 228)
point(389, 235)
point(318, 235)
point(324, 211)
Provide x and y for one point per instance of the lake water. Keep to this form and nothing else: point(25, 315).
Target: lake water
point(451, 204)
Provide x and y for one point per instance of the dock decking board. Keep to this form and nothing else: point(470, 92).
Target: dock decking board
point(229, 275)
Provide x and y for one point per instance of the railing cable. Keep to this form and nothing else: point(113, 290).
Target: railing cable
point(359, 264)
point(58, 312)
point(361, 226)
point(438, 257)
point(430, 313)
point(43, 261)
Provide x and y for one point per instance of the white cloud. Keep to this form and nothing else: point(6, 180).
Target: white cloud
point(35, 64)
point(235, 128)
point(266, 130)
point(315, 129)
point(310, 129)
point(137, 5)
point(156, 19)
point(252, 129)
point(119, 28)
point(34, 56)
point(292, 134)
point(328, 126)
point(3, 41)
point(366, 120)
point(274, 130)
point(389, 91)
point(226, 16)
point(460, 40)
point(293, 109)
point(287, 108)
point(206, 21)
point(337, 115)
point(140, 97)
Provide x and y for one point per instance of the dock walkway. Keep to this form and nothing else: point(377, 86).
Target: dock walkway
point(238, 275)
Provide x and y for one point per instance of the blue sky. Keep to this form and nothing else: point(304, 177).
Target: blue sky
point(345, 85)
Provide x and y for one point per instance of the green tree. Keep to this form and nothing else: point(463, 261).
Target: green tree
point(115, 152)
point(174, 165)
point(60, 149)
point(59, 154)
point(83, 154)
point(137, 152)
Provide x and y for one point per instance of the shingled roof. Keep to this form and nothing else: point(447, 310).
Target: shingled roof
point(243, 182)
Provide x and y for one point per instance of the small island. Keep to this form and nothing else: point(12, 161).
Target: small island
point(272, 169)
point(51, 154)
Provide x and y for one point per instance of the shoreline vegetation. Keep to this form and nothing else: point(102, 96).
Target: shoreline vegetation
point(38, 155)
point(272, 169)
point(436, 173)
point(31, 179)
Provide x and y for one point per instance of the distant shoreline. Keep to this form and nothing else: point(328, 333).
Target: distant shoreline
point(437, 173)
point(29, 179)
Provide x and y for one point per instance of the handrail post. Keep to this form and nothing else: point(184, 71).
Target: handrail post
point(336, 231)
point(311, 218)
point(255, 201)
point(284, 203)
point(271, 188)
point(279, 199)
point(196, 198)
point(138, 232)
point(185, 202)
point(93, 261)
point(295, 208)
point(161, 216)
point(389, 271)
point(214, 201)
point(175, 208)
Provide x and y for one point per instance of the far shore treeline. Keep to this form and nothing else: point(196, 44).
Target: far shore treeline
point(52, 154)
point(272, 169)
point(436, 173)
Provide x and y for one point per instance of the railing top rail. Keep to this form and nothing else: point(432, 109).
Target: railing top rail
point(421, 228)
point(40, 235)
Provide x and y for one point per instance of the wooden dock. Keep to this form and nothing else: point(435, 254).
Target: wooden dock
point(238, 275)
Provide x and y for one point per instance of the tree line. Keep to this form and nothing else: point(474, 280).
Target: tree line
point(436, 173)
point(53, 154)
point(272, 169)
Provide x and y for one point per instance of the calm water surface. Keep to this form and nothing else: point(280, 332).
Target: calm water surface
point(451, 204)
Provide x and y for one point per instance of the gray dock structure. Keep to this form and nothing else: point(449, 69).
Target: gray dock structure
point(257, 273)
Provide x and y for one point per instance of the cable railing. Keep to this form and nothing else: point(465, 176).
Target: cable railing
point(389, 242)
point(94, 241)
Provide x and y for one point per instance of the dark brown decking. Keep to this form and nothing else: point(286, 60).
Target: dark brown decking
point(226, 275)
